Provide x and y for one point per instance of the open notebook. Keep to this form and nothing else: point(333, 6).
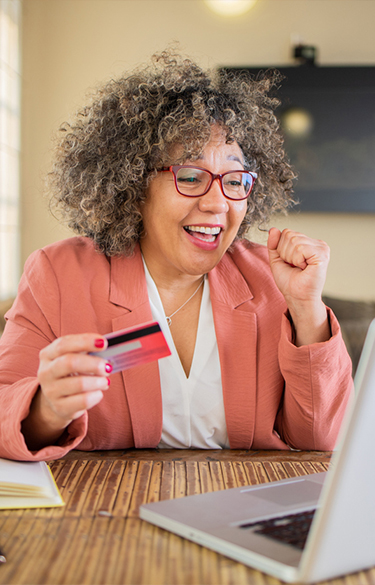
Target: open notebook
point(335, 511)
point(27, 485)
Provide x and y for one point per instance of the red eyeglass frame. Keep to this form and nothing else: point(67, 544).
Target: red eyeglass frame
point(173, 170)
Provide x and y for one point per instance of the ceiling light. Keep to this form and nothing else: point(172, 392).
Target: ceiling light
point(230, 7)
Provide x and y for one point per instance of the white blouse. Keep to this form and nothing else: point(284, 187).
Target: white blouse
point(193, 407)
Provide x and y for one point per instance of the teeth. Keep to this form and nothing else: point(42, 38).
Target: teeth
point(204, 230)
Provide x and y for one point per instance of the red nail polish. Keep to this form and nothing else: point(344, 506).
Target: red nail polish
point(108, 368)
point(99, 343)
point(109, 381)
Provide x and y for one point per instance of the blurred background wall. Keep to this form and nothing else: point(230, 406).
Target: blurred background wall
point(70, 46)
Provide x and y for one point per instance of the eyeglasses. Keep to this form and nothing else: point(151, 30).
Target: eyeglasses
point(194, 182)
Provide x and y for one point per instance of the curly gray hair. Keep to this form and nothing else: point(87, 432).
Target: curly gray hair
point(107, 157)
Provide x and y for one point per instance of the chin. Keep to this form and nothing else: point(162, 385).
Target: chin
point(203, 265)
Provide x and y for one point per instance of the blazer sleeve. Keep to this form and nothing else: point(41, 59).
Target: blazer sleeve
point(32, 323)
point(318, 386)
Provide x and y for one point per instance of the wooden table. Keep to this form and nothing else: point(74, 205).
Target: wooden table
point(98, 538)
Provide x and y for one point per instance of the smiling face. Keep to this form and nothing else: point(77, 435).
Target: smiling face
point(189, 235)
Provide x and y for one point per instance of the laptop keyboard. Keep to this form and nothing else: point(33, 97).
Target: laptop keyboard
point(291, 529)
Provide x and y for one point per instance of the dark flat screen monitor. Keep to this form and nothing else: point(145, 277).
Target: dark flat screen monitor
point(327, 116)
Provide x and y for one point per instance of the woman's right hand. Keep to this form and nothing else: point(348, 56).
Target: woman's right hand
point(71, 382)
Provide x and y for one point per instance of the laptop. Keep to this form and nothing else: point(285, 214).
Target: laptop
point(336, 509)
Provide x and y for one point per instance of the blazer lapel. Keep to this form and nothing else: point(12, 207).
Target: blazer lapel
point(142, 383)
point(236, 333)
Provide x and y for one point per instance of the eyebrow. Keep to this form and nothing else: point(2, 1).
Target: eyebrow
point(230, 157)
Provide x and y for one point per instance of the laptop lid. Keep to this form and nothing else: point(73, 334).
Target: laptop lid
point(342, 536)
point(342, 539)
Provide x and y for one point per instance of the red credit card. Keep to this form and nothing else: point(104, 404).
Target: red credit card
point(134, 346)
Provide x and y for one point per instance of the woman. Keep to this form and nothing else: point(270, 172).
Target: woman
point(161, 176)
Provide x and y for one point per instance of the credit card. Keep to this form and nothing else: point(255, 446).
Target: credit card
point(134, 346)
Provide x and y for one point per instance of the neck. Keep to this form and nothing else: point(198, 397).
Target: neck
point(174, 282)
point(178, 293)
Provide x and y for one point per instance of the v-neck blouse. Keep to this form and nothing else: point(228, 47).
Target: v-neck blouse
point(193, 406)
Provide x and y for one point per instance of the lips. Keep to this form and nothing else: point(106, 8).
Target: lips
point(203, 233)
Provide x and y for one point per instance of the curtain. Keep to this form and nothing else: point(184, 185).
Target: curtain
point(10, 83)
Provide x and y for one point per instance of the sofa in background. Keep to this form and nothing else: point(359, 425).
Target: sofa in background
point(354, 318)
point(4, 307)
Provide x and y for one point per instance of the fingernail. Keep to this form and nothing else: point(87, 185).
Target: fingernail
point(109, 381)
point(99, 343)
point(108, 368)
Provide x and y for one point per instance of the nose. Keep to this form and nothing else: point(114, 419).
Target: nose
point(214, 200)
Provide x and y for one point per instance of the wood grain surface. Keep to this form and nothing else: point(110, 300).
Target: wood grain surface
point(98, 538)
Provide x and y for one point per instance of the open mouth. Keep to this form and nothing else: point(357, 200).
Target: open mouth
point(206, 234)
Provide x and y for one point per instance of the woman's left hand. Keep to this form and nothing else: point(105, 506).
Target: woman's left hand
point(299, 267)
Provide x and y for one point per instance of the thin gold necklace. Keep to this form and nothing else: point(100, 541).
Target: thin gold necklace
point(169, 319)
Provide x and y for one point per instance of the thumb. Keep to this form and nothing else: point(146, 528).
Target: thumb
point(274, 236)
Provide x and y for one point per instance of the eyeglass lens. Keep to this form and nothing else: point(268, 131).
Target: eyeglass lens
point(194, 182)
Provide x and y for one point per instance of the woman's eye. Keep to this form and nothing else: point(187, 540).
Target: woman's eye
point(188, 179)
point(233, 184)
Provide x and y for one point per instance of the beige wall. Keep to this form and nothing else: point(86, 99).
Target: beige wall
point(70, 46)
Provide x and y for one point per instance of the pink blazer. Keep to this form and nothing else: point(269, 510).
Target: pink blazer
point(276, 395)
